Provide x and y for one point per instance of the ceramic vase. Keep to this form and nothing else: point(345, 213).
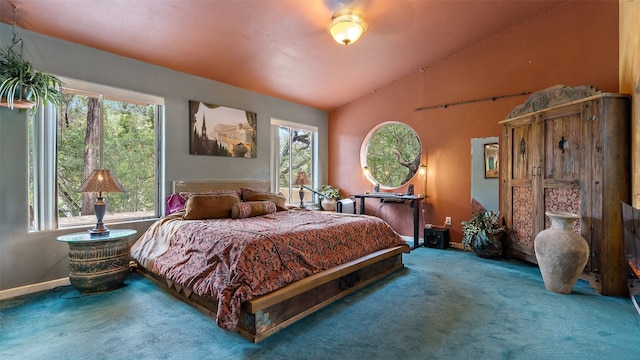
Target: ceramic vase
point(329, 204)
point(562, 253)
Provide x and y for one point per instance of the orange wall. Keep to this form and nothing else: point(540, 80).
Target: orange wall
point(574, 44)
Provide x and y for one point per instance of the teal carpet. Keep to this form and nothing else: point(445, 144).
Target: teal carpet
point(446, 304)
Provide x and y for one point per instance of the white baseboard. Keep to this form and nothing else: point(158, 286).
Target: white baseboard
point(30, 289)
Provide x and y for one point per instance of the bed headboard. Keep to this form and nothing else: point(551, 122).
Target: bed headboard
point(206, 185)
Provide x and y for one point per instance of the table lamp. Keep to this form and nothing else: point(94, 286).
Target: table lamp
point(302, 179)
point(100, 181)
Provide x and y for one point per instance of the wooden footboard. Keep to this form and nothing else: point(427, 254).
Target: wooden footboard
point(267, 314)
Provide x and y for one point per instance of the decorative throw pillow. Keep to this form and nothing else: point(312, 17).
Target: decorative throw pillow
point(243, 210)
point(173, 203)
point(187, 194)
point(244, 192)
point(200, 207)
point(279, 200)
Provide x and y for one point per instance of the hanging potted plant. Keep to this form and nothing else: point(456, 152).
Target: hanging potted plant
point(22, 86)
point(483, 234)
point(330, 196)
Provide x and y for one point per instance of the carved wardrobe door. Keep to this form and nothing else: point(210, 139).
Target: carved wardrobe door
point(521, 149)
point(563, 174)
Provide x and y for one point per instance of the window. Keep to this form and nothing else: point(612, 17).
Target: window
point(97, 128)
point(296, 152)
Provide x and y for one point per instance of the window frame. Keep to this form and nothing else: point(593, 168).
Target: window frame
point(276, 124)
point(43, 155)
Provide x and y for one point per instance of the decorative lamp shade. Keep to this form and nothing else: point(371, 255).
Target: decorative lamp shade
point(302, 179)
point(100, 181)
point(346, 28)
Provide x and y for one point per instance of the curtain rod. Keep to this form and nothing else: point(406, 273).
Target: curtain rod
point(494, 98)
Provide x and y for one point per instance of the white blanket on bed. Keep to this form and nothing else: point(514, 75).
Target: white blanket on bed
point(155, 241)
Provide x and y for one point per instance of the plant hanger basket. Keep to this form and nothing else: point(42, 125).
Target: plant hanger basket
point(21, 85)
point(17, 103)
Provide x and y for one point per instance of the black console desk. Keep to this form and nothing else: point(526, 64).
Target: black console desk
point(414, 202)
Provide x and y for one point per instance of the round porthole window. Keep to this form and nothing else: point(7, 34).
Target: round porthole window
point(390, 154)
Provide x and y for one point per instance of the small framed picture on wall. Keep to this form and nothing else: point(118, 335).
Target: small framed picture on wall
point(491, 166)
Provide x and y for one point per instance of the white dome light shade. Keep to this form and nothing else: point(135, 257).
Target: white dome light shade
point(347, 29)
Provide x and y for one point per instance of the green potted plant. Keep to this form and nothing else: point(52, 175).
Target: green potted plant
point(22, 86)
point(483, 234)
point(330, 196)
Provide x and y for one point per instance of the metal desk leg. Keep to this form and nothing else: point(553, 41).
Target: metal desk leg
point(416, 223)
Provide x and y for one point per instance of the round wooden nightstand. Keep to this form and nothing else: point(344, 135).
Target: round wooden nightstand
point(98, 263)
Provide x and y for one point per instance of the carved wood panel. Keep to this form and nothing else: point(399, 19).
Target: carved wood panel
point(522, 228)
point(522, 151)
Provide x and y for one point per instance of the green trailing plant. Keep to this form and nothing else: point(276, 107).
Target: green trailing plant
point(482, 231)
point(329, 192)
point(19, 80)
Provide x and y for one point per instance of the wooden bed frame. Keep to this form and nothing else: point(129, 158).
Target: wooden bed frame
point(265, 315)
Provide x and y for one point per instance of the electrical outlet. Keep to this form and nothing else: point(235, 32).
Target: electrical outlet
point(447, 220)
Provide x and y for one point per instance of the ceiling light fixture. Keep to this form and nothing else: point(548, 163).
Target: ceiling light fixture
point(347, 28)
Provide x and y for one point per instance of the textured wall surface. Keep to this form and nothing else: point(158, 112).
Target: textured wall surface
point(573, 44)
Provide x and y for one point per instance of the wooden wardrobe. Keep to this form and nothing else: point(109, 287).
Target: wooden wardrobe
point(568, 149)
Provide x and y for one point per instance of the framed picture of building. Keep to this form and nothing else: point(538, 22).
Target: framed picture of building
point(491, 166)
point(221, 131)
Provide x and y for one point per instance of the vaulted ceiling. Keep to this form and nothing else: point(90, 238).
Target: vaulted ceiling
point(277, 47)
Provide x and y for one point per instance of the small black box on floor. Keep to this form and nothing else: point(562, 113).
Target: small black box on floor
point(436, 237)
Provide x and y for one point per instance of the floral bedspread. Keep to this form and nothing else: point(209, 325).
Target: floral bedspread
point(234, 260)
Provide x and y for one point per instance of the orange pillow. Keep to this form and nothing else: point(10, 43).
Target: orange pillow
point(244, 192)
point(243, 210)
point(200, 207)
point(279, 200)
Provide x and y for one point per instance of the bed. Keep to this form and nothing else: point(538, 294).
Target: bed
point(260, 270)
